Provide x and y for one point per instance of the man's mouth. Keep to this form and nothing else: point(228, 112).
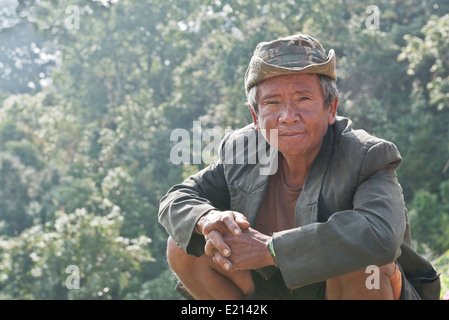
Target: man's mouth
point(291, 134)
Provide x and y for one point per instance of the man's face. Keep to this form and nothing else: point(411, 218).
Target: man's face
point(294, 105)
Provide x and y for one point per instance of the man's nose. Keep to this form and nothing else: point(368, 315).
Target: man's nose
point(289, 115)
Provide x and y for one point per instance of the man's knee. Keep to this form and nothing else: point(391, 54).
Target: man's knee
point(360, 283)
point(201, 276)
point(177, 258)
point(172, 249)
point(360, 277)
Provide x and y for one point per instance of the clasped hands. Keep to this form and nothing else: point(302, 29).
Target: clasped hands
point(232, 243)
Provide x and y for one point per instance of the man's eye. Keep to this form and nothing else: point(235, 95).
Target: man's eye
point(272, 102)
point(303, 99)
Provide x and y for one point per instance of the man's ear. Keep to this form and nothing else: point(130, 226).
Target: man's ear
point(333, 111)
point(255, 118)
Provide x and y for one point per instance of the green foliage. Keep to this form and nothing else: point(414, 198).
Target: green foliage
point(86, 115)
point(441, 264)
point(427, 56)
point(35, 263)
point(430, 218)
point(15, 183)
point(9, 131)
point(160, 288)
point(27, 152)
point(431, 51)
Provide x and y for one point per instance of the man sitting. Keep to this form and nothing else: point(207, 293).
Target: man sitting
point(329, 214)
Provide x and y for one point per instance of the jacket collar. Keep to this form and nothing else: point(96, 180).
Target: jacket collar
point(307, 205)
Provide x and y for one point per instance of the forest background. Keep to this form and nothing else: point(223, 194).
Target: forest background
point(90, 92)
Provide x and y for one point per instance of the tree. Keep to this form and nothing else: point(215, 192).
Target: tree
point(427, 56)
point(113, 79)
point(428, 153)
point(429, 219)
point(40, 263)
point(15, 195)
point(26, 57)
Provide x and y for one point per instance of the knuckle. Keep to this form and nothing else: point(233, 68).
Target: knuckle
point(229, 215)
point(208, 226)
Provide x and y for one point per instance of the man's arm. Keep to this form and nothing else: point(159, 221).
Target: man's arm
point(184, 204)
point(199, 207)
point(369, 234)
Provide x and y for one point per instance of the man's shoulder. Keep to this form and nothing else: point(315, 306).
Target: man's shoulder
point(355, 148)
point(356, 139)
point(243, 143)
point(245, 131)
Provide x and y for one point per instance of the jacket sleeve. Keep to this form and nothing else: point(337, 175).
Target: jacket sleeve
point(185, 203)
point(369, 234)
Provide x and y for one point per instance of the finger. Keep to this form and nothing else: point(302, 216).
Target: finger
point(224, 262)
point(213, 221)
point(216, 240)
point(231, 224)
point(209, 248)
point(223, 221)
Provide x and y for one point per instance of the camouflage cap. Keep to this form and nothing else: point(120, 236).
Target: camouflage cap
point(294, 54)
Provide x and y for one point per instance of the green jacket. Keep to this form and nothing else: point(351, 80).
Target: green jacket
point(350, 213)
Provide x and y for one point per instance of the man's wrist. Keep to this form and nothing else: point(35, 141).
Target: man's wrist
point(197, 229)
point(199, 224)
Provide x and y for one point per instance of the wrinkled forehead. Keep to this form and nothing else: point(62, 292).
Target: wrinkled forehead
point(290, 83)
